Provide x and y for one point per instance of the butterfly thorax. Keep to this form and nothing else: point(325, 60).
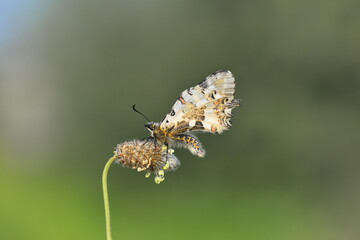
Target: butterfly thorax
point(156, 132)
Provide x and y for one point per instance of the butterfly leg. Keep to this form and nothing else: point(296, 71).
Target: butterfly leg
point(190, 142)
point(166, 148)
point(147, 139)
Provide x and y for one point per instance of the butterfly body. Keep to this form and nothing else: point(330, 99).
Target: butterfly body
point(205, 108)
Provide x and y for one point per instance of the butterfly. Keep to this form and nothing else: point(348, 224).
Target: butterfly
point(204, 108)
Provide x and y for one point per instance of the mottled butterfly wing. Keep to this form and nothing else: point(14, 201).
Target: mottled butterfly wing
point(205, 107)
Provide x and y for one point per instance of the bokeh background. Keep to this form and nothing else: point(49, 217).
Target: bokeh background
point(71, 70)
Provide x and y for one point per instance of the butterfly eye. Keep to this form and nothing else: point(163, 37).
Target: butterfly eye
point(149, 126)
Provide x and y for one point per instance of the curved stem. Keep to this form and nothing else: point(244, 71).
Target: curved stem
point(106, 197)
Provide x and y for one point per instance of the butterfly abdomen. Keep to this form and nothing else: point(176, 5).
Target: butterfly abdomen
point(190, 142)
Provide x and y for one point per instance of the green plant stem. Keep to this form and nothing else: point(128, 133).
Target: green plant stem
point(106, 197)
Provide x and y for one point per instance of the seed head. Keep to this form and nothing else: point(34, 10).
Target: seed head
point(147, 155)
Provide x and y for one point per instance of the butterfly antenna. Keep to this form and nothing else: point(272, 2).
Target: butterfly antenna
point(140, 113)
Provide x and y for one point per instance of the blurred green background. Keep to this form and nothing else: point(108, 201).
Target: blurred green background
point(71, 70)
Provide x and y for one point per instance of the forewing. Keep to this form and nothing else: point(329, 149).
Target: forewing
point(205, 107)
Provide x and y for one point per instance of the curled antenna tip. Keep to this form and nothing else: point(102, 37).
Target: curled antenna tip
point(140, 112)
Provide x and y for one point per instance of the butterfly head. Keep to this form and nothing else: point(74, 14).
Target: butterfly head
point(153, 128)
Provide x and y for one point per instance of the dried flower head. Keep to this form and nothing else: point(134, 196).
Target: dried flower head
point(147, 156)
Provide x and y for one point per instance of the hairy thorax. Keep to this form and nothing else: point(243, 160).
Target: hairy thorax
point(156, 132)
point(159, 134)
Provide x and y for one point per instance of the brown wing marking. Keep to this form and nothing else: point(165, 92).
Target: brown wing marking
point(194, 113)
